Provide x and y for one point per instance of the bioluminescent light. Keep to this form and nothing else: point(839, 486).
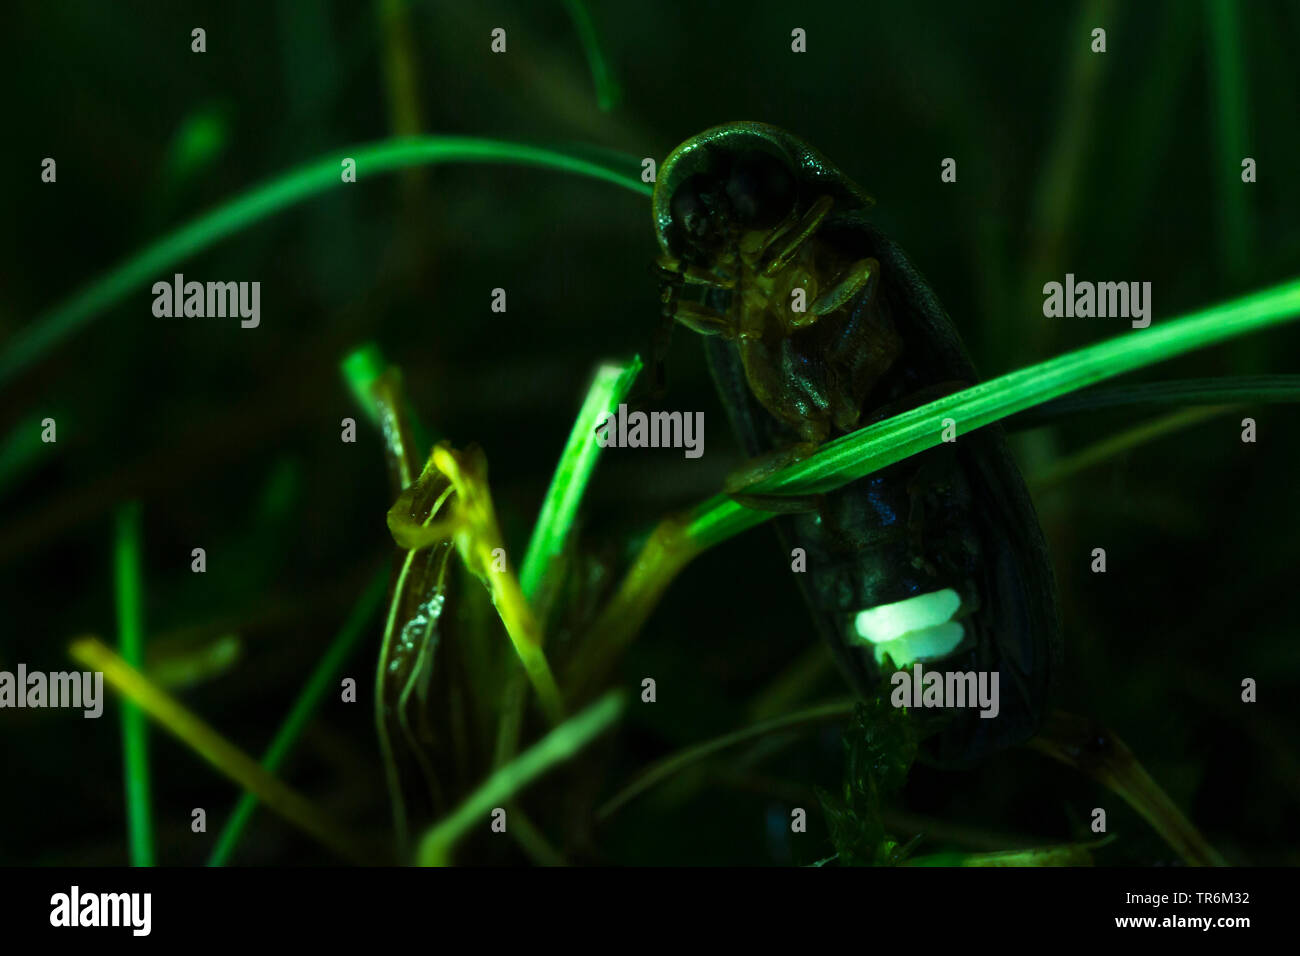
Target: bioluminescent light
point(927, 644)
point(915, 629)
point(889, 621)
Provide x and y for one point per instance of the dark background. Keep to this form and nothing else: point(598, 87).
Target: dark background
point(1122, 166)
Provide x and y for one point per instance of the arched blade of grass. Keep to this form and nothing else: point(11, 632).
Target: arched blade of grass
point(608, 92)
point(53, 326)
point(557, 746)
point(680, 538)
point(677, 762)
point(212, 747)
point(135, 730)
point(309, 699)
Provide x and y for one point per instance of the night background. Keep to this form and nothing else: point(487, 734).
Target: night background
point(1122, 166)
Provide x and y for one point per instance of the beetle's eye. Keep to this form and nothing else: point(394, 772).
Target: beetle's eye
point(691, 208)
point(761, 189)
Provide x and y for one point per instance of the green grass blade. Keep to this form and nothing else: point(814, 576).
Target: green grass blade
point(870, 449)
point(608, 92)
point(1228, 79)
point(361, 368)
point(609, 387)
point(23, 448)
point(130, 639)
point(559, 745)
point(151, 264)
point(313, 692)
point(1225, 390)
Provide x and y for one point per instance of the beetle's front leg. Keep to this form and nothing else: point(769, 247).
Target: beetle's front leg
point(861, 276)
point(694, 316)
point(790, 238)
point(697, 318)
point(676, 271)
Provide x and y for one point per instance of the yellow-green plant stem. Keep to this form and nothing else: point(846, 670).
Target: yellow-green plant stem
point(135, 730)
point(214, 748)
point(560, 744)
point(478, 541)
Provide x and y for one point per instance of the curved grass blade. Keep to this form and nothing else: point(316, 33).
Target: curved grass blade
point(608, 93)
point(674, 763)
point(1225, 390)
point(50, 328)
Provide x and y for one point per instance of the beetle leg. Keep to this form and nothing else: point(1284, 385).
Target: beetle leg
point(862, 275)
point(674, 269)
point(791, 239)
point(705, 321)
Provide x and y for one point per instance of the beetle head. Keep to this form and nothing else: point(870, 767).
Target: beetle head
point(735, 178)
point(745, 190)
